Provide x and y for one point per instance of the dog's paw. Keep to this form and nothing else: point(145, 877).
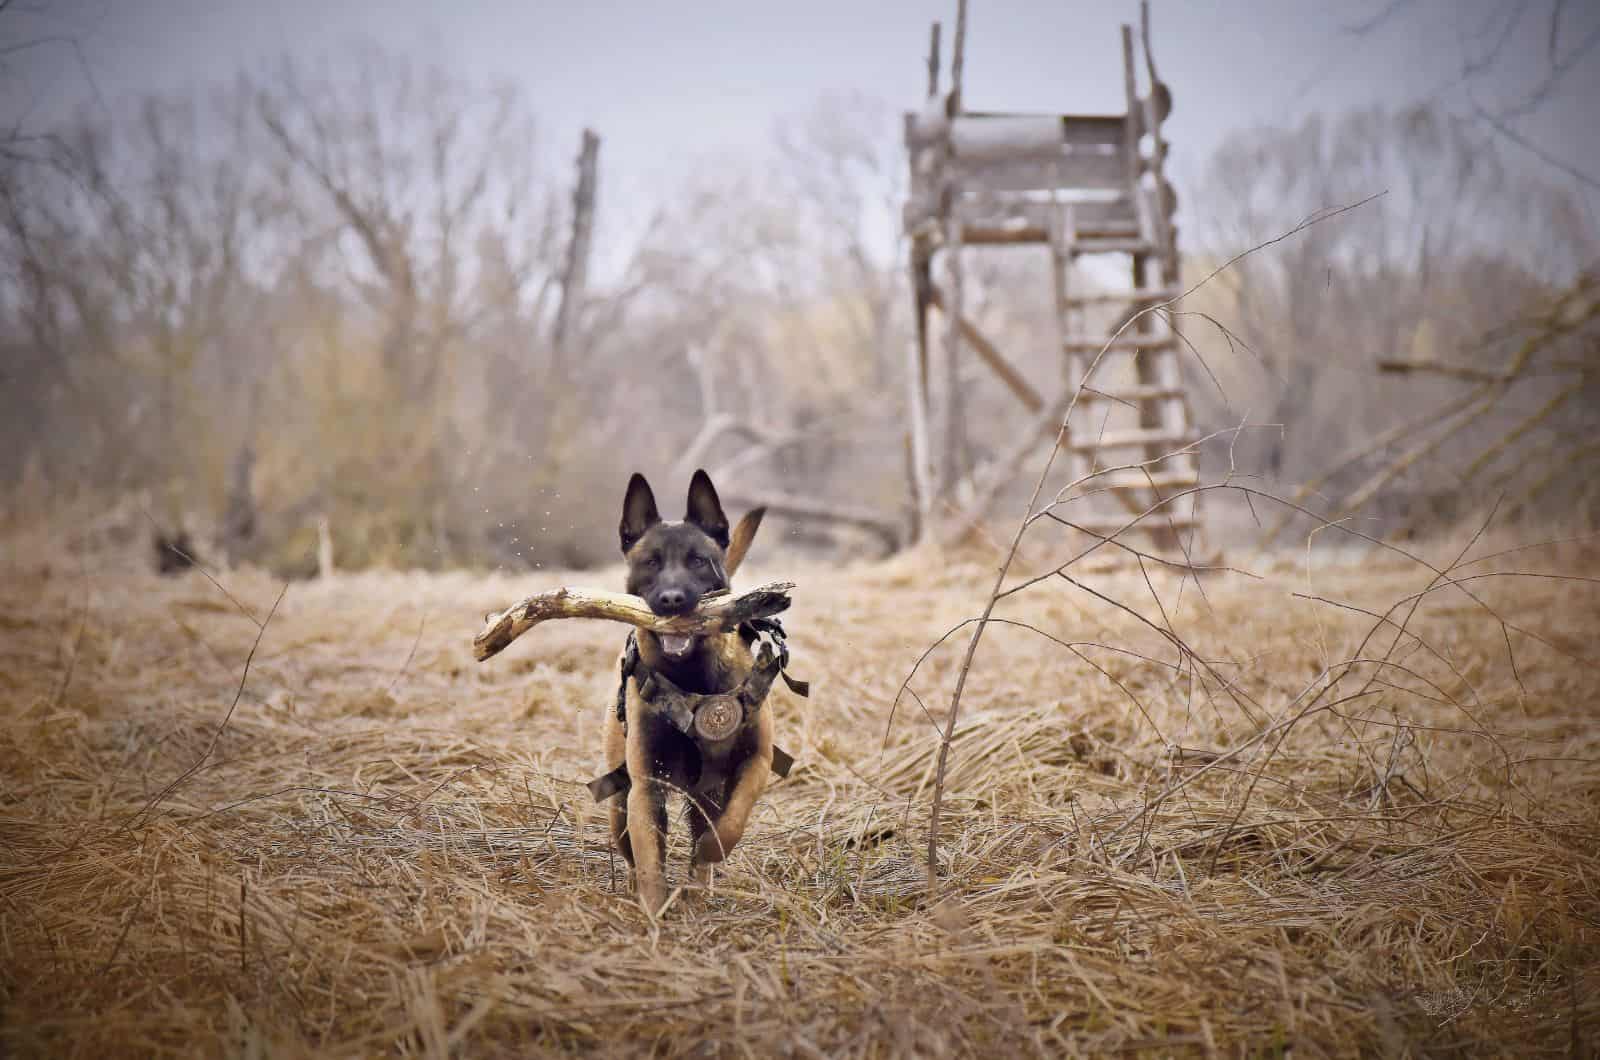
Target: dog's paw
point(651, 892)
point(708, 851)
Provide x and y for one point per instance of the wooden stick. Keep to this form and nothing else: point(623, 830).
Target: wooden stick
point(992, 356)
point(716, 614)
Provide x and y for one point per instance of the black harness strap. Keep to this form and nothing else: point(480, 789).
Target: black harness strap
point(782, 761)
point(613, 783)
point(617, 781)
point(773, 629)
point(630, 663)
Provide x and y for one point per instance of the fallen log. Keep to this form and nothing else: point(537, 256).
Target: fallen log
point(717, 613)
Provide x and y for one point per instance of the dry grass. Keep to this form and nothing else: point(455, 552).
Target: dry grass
point(389, 849)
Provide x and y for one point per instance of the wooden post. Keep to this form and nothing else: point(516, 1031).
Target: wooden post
point(1155, 107)
point(933, 62)
point(1134, 127)
point(921, 460)
point(950, 421)
point(958, 59)
point(575, 272)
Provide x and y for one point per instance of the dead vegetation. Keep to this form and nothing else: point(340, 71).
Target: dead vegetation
point(388, 849)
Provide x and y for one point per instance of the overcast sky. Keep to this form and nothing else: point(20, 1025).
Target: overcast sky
point(672, 86)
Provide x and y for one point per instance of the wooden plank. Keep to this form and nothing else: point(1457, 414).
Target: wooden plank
point(1134, 480)
point(1126, 341)
point(1129, 395)
point(1005, 218)
point(1112, 246)
point(1079, 169)
point(974, 235)
point(1125, 439)
point(1141, 295)
point(1109, 225)
point(992, 356)
point(1077, 130)
point(1006, 139)
point(1039, 207)
point(1013, 138)
point(982, 232)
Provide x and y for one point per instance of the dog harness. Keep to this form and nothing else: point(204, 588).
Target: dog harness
point(713, 718)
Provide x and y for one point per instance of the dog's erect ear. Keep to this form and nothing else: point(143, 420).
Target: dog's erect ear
point(739, 543)
point(705, 510)
point(638, 511)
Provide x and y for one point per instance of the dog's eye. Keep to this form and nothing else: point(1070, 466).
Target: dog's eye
point(652, 561)
point(696, 560)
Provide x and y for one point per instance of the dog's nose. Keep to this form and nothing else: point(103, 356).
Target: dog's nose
point(671, 601)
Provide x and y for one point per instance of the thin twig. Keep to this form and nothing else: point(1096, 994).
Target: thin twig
point(162, 795)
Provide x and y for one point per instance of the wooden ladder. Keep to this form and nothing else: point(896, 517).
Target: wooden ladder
point(1083, 185)
point(1133, 368)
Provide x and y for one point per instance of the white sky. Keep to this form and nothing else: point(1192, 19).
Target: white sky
point(675, 86)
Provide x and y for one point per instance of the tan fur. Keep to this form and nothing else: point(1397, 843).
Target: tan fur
point(635, 820)
point(638, 822)
point(645, 813)
point(739, 541)
point(750, 781)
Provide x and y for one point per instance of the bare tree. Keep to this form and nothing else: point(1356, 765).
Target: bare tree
point(1457, 242)
point(786, 297)
point(1516, 58)
point(125, 243)
point(414, 195)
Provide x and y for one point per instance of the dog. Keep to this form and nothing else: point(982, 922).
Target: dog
point(671, 566)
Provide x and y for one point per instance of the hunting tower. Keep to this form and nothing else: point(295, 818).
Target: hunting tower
point(1086, 186)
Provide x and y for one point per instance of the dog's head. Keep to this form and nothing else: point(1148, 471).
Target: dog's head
point(672, 565)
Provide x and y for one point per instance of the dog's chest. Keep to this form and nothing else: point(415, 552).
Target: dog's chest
point(718, 664)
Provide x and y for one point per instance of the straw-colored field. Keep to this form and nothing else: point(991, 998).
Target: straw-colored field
point(387, 848)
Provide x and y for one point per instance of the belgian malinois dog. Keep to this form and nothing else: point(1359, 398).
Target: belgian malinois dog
point(671, 566)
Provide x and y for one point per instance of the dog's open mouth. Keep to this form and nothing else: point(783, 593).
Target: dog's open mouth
point(675, 645)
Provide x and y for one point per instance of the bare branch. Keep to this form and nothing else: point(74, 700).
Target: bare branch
point(716, 614)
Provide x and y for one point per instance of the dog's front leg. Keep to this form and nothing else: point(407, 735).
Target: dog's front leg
point(647, 811)
point(616, 754)
point(746, 786)
point(647, 835)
